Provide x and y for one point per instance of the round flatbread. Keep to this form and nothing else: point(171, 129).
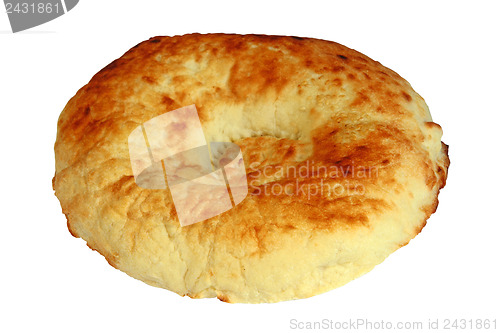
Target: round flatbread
point(343, 165)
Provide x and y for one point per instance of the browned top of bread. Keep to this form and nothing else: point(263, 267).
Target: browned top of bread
point(291, 104)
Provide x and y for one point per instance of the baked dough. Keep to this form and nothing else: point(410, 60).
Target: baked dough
point(290, 104)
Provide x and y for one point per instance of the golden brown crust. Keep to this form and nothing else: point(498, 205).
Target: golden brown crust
point(290, 104)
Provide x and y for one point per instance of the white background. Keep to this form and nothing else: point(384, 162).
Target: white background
point(448, 51)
